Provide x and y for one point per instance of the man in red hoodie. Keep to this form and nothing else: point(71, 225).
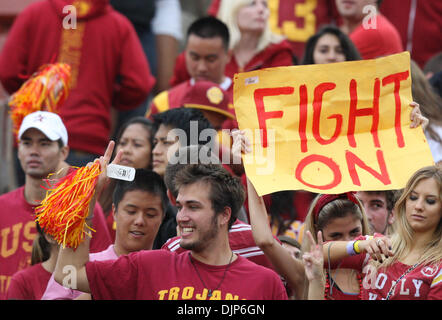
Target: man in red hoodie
point(108, 65)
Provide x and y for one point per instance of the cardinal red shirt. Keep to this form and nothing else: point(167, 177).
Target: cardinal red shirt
point(241, 242)
point(382, 40)
point(297, 20)
point(108, 65)
point(422, 283)
point(17, 233)
point(419, 24)
point(29, 283)
point(163, 275)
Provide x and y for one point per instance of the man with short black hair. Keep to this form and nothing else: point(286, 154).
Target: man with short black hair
point(42, 150)
point(138, 207)
point(206, 55)
point(188, 124)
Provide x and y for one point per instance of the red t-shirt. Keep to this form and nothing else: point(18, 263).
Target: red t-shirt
point(108, 64)
point(163, 275)
point(17, 232)
point(380, 41)
point(29, 283)
point(422, 283)
point(274, 55)
point(241, 242)
point(419, 26)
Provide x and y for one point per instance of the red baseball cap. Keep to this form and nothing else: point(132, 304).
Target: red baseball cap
point(209, 96)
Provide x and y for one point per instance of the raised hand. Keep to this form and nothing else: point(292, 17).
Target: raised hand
point(416, 117)
point(314, 260)
point(241, 144)
point(104, 161)
point(377, 247)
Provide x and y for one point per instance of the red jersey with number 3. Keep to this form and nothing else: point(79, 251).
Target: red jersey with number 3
point(297, 20)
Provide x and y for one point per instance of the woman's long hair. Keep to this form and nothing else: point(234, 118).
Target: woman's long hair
point(402, 239)
point(429, 101)
point(228, 13)
point(41, 248)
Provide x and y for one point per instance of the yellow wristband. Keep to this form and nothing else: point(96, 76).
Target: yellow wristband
point(356, 247)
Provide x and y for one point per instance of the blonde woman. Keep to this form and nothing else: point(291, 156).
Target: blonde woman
point(252, 43)
point(407, 266)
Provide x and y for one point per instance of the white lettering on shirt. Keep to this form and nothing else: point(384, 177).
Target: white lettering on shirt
point(417, 285)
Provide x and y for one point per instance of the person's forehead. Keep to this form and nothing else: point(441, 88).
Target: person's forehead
point(138, 196)
point(162, 131)
point(195, 192)
point(370, 196)
point(201, 45)
point(343, 224)
point(34, 134)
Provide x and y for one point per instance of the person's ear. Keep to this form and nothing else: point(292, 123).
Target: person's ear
point(224, 216)
point(64, 151)
point(171, 198)
point(50, 239)
point(391, 217)
point(114, 211)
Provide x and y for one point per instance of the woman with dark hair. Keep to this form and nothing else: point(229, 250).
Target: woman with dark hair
point(329, 45)
point(30, 283)
point(135, 138)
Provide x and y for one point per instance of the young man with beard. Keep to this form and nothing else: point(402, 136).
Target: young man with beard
point(209, 199)
point(42, 150)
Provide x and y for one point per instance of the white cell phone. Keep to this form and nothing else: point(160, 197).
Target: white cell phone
point(116, 171)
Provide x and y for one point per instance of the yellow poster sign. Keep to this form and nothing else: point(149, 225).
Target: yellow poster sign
point(330, 128)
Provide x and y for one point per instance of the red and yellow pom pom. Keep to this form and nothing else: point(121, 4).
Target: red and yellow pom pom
point(46, 90)
point(63, 212)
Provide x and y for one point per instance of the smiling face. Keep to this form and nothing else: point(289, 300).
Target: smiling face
point(345, 229)
point(423, 208)
point(138, 218)
point(197, 221)
point(38, 155)
point(135, 143)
